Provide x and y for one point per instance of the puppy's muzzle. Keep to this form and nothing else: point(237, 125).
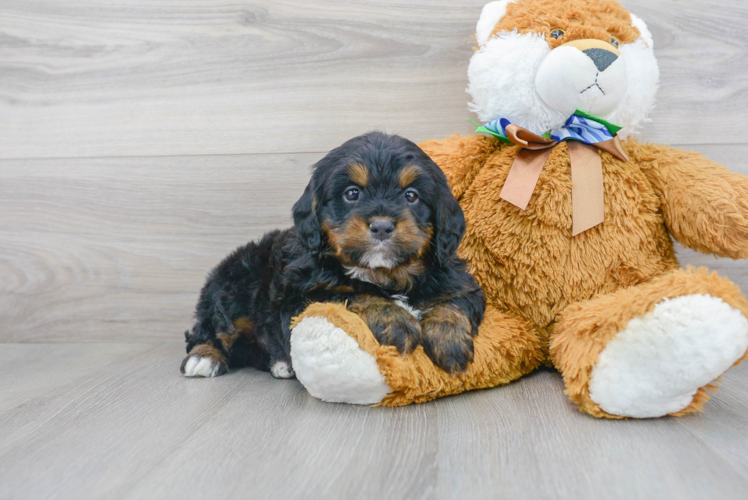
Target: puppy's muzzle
point(381, 228)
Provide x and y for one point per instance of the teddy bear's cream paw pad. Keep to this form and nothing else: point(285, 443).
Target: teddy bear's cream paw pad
point(202, 366)
point(657, 363)
point(332, 366)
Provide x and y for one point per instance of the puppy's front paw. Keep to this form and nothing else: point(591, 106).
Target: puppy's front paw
point(204, 361)
point(447, 338)
point(396, 327)
point(390, 323)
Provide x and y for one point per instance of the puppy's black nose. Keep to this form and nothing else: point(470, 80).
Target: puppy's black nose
point(601, 57)
point(382, 229)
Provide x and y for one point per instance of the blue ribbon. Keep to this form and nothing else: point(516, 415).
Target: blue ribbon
point(580, 126)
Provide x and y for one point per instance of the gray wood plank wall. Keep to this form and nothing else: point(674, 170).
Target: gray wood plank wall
point(141, 141)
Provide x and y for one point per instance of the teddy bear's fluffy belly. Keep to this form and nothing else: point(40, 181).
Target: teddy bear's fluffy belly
point(534, 266)
point(537, 283)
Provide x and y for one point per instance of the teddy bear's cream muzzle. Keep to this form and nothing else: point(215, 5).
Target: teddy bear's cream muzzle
point(587, 75)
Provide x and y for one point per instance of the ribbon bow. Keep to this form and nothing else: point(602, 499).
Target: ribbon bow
point(585, 135)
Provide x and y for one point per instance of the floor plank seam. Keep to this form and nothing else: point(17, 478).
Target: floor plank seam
point(710, 445)
point(134, 157)
point(201, 423)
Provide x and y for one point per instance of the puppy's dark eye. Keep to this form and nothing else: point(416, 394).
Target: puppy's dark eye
point(411, 196)
point(557, 33)
point(351, 194)
point(614, 42)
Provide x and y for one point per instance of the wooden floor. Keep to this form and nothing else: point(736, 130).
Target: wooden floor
point(141, 141)
point(109, 420)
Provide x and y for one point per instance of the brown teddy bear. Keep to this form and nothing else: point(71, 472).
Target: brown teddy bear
point(569, 226)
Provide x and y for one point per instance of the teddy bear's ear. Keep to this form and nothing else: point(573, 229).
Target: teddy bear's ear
point(639, 24)
point(490, 15)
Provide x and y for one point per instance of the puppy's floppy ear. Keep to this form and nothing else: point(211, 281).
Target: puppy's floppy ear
point(305, 218)
point(450, 222)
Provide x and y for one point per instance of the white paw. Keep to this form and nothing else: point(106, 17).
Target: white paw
point(657, 363)
point(332, 366)
point(201, 366)
point(281, 369)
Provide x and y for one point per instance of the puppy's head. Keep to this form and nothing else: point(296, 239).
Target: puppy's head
point(379, 202)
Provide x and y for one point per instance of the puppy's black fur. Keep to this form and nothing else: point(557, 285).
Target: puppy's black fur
point(376, 225)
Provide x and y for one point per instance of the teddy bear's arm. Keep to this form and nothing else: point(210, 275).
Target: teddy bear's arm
point(704, 204)
point(460, 158)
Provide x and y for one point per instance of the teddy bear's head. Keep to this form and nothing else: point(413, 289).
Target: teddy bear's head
point(539, 61)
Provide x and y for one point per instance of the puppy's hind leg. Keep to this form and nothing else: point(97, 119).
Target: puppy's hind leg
point(206, 353)
point(280, 362)
point(282, 369)
point(279, 348)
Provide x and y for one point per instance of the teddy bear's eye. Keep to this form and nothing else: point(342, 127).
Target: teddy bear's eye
point(614, 42)
point(557, 33)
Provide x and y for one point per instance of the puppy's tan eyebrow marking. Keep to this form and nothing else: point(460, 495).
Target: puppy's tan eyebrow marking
point(359, 174)
point(407, 175)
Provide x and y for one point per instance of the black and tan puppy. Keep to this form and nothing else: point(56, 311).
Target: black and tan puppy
point(377, 228)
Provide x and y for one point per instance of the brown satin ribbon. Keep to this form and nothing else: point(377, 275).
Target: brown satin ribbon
point(588, 207)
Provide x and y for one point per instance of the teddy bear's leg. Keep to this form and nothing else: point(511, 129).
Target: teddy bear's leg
point(337, 359)
point(334, 355)
point(653, 349)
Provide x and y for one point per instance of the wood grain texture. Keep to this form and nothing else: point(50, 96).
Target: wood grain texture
point(99, 78)
point(527, 440)
point(112, 249)
point(142, 141)
point(108, 249)
point(118, 421)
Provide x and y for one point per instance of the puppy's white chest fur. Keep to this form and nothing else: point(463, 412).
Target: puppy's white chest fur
point(359, 273)
point(402, 301)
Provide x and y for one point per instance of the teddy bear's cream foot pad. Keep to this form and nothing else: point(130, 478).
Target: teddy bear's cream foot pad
point(332, 366)
point(657, 363)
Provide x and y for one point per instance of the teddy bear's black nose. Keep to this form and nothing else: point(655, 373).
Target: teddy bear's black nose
point(601, 57)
